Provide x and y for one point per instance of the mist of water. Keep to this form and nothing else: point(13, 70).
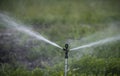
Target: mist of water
point(10, 22)
point(100, 42)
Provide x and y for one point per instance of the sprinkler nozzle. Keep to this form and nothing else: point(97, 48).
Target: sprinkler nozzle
point(66, 50)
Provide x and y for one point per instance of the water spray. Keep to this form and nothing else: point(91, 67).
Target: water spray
point(66, 50)
point(100, 42)
point(6, 20)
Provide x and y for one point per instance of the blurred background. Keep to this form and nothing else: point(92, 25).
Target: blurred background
point(76, 22)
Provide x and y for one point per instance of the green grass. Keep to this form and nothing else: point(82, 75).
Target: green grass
point(65, 11)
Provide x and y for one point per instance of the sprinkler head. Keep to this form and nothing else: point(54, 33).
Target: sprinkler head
point(66, 50)
point(66, 46)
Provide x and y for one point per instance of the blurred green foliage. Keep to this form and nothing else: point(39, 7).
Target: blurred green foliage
point(60, 20)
